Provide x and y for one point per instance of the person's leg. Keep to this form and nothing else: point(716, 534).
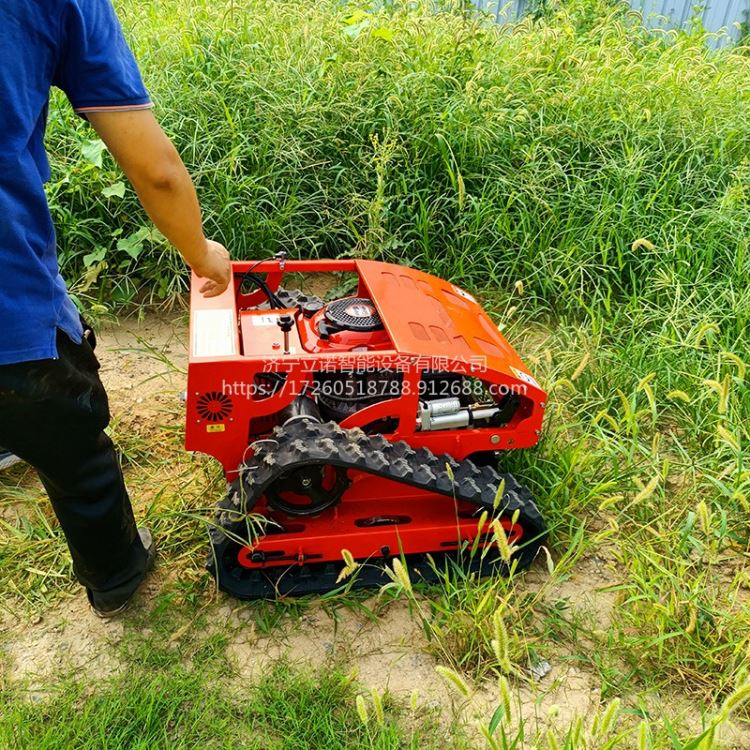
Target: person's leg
point(52, 415)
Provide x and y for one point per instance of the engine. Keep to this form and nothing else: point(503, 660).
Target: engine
point(447, 400)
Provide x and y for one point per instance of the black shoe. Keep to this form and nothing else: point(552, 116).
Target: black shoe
point(148, 542)
point(7, 459)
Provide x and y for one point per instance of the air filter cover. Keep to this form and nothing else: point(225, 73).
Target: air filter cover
point(353, 314)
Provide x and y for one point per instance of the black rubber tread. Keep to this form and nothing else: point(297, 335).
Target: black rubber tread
point(307, 442)
point(322, 578)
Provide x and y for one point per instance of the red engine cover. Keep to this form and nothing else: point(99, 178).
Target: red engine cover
point(345, 340)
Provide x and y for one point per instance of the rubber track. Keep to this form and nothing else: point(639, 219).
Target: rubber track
point(305, 442)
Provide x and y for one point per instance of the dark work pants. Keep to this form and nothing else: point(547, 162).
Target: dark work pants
point(52, 415)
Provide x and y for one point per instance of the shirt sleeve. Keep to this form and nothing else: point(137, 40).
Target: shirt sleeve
point(96, 69)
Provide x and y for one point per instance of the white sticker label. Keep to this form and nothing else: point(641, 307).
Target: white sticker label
point(264, 320)
point(525, 377)
point(461, 293)
point(214, 333)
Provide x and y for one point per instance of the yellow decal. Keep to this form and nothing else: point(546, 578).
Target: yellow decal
point(215, 428)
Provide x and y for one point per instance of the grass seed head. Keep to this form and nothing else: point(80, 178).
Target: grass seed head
point(734, 359)
point(454, 679)
point(377, 704)
point(728, 438)
point(644, 742)
point(350, 566)
point(401, 575)
point(501, 539)
point(703, 332)
point(647, 491)
point(704, 517)
point(500, 643)
point(581, 367)
point(609, 718)
point(642, 244)
point(499, 495)
point(736, 700)
point(362, 710)
point(679, 396)
point(505, 698)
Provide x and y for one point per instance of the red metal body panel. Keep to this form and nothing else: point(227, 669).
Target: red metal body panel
point(260, 334)
point(429, 321)
point(429, 523)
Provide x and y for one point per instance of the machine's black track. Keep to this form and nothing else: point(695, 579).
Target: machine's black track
point(306, 442)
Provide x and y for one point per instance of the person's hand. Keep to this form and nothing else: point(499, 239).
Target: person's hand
point(215, 268)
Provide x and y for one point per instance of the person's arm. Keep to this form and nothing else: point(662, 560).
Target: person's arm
point(155, 169)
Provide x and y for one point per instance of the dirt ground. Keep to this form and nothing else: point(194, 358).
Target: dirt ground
point(143, 364)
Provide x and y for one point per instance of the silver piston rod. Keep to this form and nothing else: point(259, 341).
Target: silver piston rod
point(448, 413)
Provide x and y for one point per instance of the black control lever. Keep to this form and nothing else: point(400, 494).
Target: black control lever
point(286, 323)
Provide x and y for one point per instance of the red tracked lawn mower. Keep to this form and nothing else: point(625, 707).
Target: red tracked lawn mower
point(371, 423)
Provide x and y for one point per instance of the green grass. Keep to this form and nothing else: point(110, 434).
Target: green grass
point(602, 166)
point(541, 153)
point(180, 709)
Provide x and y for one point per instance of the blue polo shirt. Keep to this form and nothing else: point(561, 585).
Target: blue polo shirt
point(78, 46)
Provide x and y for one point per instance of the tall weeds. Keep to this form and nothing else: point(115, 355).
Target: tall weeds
point(598, 162)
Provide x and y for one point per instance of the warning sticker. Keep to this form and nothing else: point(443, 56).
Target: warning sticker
point(214, 333)
point(215, 428)
point(525, 377)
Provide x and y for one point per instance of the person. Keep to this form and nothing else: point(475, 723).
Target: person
point(53, 406)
